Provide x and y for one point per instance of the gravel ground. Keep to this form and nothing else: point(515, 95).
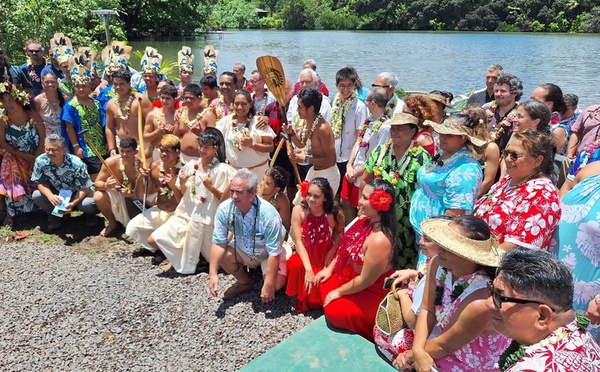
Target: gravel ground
point(93, 307)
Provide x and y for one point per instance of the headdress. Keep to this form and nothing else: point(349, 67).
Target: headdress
point(185, 59)
point(90, 55)
point(21, 97)
point(151, 60)
point(115, 57)
point(80, 68)
point(482, 252)
point(62, 48)
point(210, 59)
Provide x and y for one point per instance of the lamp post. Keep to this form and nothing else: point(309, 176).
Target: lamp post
point(105, 13)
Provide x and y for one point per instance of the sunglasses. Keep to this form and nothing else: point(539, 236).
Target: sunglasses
point(511, 154)
point(35, 50)
point(380, 86)
point(498, 300)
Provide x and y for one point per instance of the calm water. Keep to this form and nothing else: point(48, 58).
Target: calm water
point(421, 60)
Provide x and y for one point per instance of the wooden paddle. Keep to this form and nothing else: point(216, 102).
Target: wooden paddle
point(141, 133)
point(265, 179)
point(271, 72)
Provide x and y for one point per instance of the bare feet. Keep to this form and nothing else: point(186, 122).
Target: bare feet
point(166, 267)
point(109, 230)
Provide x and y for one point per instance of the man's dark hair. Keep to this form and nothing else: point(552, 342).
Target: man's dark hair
point(170, 90)
point(229, 73)
point(207, 81)
point(122, 74)
point(311, 97)
point(128, 142)
point(280, 177)
point(515, 84)
point(194, 88)
point(346, 73)
point(378, 95)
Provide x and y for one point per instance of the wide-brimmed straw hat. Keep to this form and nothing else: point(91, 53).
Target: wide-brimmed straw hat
point(402, 118)
point(482, 252)
point(441, 99)
point(450, 126)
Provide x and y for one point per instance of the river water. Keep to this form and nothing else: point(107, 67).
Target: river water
point(454, 61)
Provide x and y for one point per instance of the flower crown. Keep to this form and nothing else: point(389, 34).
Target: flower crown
point(21, 97)
point(380, 200)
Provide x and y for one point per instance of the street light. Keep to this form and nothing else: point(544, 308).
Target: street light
point(105, 13)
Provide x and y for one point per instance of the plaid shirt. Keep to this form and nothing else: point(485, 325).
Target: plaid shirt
point(276, 119)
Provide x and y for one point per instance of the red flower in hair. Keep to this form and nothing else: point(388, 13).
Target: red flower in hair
point(304, 188)
point(380, 200)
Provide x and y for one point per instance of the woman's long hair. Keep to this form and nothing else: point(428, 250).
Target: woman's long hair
point(389, 224)
point(246, 94)
point(213, 136)
point(330, 205)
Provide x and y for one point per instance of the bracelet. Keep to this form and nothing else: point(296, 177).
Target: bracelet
point(76, 145)
point(406, 365)
point(113, 149)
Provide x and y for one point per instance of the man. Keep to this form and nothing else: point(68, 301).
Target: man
point(113, 194)
point(150, 66)
point(57, 170)
point(210, 89)
point(314, 143)
point(347, 114)
point(486, 95)
point(239, 69)
point(389, 81)
point(584, 131)
point(162, 120)
point(162, 176)
point(260, 95)
point(310, 63)
point(122, 112)
point(223, 105)
point(572, 111)
point(32, 69)
point(12, 74)
point(248, 232)
point(502, 110)
point(191, 120)
point(531, 302)
point(308, 79)
point(185, 59)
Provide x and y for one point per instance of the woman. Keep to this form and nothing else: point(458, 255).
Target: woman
point(552, 96)
point(317, 224)
point(532, 114)
point(247, 146)
point(523, 209)
point(398, 162)
point(454, 300)
point(21, 140)
point(66, 85)
point(449, 183)
point(188, 233)
point(577, 241)
point(351, 285)
point(50, 103)
point(424, 109)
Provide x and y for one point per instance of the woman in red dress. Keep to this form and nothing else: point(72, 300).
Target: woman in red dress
point(352, 285)
point(317, 224)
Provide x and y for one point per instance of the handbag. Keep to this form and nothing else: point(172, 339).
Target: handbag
point(389, 314)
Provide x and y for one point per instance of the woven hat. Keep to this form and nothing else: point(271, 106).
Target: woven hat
point(450, 126)
point(482, 252)
point(440, 98)
point(402, 118)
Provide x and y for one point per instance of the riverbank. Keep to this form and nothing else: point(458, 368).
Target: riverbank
point(98, 305)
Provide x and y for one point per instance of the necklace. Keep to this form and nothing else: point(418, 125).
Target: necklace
point(157, 116)
point(395, 168)
point(127, 108)
point(35, 78)
point(261, 103)
point(238, 134)
point(201, 198)
point(339, 111)
point(307, 135)
point(374, 130)
point(220, 107)
point(458, 288)
point(126, 183)
point(502, 123)
point(185, 119)
point(253, 232)
point(389, 110)
point(164, 187)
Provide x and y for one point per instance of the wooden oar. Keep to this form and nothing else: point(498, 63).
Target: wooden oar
point(261, 188)
point(272, 74)
point(143, 148)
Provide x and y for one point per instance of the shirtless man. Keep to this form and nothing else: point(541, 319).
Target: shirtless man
point(319, 152)
point(223, 105)
point(162, 120)
point(122, 111)
point(162, 175)
point(191, 120)
point(111, 193)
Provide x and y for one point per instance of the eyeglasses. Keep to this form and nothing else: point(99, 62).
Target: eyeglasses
point(344, 87)
point(498, 300)
point(254, 81)
point(35, 50)
point(51, 150)
point(512, 155)
point(380, 86)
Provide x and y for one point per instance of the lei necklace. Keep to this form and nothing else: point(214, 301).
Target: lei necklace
point(391, 105)
point(503, 125)
point(186, 121)
point(35, 78)
point(307, 140)
point(516, 352)
point(211, 165)
point(457, 289)
point(338, 113)
point(394, 173)
point(262, 103)
point(164, 187)
point(363, 128)
point(127, 108)
point(126, 183)
point(157, 116)
point(219, 107)
point(237, 133)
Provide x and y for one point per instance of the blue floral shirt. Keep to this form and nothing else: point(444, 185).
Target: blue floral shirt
point(71, 175)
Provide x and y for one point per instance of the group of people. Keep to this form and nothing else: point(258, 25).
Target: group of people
point(368, 186)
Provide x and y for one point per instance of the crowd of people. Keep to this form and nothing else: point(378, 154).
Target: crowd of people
point(485, 216)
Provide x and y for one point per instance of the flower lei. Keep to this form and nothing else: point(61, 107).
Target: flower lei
point(404, 161)
point(307, 140)
point(391, 105)
point(35, 78)
point(457, 289)
point(503, 125)
point(339, 113)
point(516, 352)
point(237, 134)
point(164, 188)
point(186, 121)
point(380, 200)
point(211, 165)
point(127, 108)
point(219, 107)
point(363, 128)
point(262, 103)
point(126, 183)
point(21, 97)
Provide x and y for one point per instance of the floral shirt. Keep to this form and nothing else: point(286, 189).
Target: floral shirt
point(525, 216)
point(87, 118)
point(71, 175)
point(566, 349)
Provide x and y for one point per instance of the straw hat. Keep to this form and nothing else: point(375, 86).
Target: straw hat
point(450, 126)
point(482, 252)
point(402, 118)
point(441, 99)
